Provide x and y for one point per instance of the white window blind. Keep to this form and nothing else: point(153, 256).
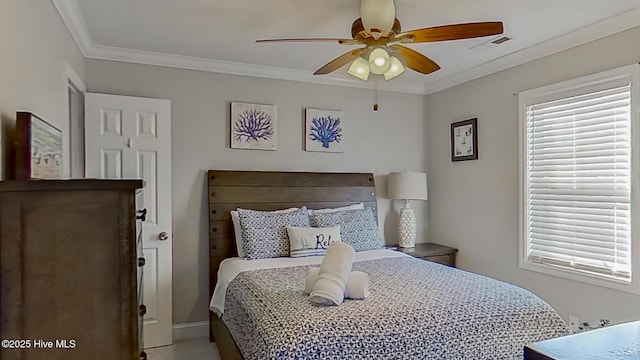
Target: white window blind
point(577, 193)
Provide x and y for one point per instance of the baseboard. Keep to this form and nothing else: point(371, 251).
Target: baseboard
point(190, 330)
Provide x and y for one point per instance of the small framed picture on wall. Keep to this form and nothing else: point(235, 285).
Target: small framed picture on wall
point(464, 140)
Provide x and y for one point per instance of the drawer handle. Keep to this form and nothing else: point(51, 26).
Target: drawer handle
point(143, 215)
point(141, 262)
point(143, 310)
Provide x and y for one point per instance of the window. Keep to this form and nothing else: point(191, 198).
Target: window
point(578, 171)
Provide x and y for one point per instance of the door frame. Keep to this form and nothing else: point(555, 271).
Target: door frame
point(71, 79)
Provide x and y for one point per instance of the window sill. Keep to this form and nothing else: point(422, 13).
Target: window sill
point(620, 285)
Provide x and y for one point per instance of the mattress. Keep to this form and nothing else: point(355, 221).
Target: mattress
point(416, 310)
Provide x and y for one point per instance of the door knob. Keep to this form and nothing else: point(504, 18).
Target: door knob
point(163, 236)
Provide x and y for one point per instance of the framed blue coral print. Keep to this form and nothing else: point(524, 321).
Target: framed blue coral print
point(254, 126)
point(324, 130)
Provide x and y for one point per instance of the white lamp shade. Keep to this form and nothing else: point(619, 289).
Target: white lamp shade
point(396, 69)
point(377, 15)
point(359, 68)
point(379, 61)
point(407, 185)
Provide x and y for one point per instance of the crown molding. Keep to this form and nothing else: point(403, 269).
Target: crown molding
point(599, 30)
point(233, 68)
point(72, 17)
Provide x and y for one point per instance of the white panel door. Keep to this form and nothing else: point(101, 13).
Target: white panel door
point(130, 138)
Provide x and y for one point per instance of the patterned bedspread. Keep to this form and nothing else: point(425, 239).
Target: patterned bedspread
point(416, 310)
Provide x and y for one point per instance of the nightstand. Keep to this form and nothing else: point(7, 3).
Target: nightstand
point(432, 252)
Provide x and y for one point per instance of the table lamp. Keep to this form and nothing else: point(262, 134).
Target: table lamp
point(407, 186)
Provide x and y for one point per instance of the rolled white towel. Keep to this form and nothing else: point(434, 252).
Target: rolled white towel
point(312, 276)
point(333, 275)
point(357, 286)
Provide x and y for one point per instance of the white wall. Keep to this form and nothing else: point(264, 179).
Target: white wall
point(379, 142)
point(473, 205)
point(36, 48)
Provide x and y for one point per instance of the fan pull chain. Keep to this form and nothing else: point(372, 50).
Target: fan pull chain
point(375, 94)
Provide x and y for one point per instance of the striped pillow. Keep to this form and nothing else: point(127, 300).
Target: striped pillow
point(307, 241)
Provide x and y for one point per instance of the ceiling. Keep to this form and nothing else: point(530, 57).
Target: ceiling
point(219, 35)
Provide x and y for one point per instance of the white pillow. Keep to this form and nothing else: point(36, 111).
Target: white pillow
point(308, 241)
point(237, 230)
point(358, 206)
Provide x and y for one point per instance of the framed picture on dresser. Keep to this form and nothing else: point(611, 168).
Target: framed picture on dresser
point(3, 174)
point(38, 148)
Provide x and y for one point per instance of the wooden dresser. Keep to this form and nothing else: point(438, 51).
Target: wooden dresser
point(69, 270)
point(610, 343)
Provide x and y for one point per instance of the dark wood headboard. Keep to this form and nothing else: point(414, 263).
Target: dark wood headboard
point(270, 190)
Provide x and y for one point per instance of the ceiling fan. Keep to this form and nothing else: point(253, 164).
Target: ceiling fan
point(383, 54)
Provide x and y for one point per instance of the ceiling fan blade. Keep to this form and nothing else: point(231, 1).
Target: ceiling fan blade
point(453, 32)
point(414, 60)
point(339, 41)
point(339, 62)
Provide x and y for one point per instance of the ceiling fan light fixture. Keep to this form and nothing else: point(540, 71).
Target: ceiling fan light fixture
point(377, 16)
point(380, 33)
point(379, 61)
point(359, 68)
point(395, 69)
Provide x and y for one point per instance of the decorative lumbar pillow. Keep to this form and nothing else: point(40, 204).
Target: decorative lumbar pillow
point(308, 241)
point(336, 209)
point(264, 233)
point(237, 229)
point(358, 228)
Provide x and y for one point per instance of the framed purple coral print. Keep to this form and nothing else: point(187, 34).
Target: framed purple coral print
point(254, 126)
point(324, 130)
point(464, 140)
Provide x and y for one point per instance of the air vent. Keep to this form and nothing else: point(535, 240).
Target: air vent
point(500, 40)
point(490, 43)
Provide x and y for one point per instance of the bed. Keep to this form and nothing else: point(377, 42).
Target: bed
point(416, 310)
